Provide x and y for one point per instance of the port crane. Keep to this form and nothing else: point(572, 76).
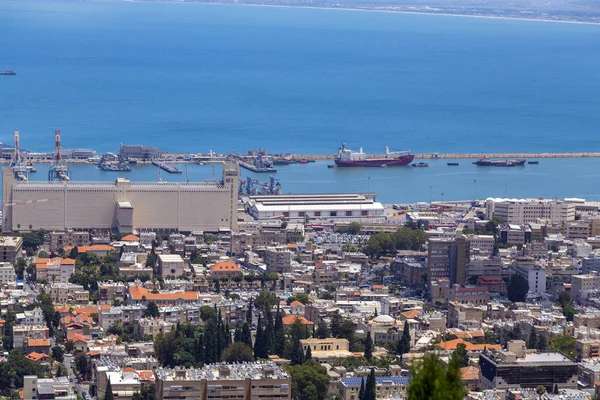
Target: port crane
point(58, 171)
point(17, 164)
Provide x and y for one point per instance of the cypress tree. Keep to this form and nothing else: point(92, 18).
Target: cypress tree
point(361, 393)
point(308, 355)
point(200, 351)
point(246, 335)
point(250, 311)
point(368, 346)
point(227, 335)
point(237, 335)
point(269, 333)
point(259, 341)
point(404, 342)
point(297, 354)
point(371, 387)
point(533, 339)
point(109, 393)
point(278, 335)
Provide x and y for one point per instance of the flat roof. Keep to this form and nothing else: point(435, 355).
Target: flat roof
point(543, 357)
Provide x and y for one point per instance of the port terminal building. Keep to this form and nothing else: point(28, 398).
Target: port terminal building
point(313, 206)
point(121, 205)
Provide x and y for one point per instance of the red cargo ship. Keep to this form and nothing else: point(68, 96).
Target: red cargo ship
point(348, 158)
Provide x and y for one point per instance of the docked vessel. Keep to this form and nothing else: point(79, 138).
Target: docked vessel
point(533, 162)
point(453, 164)
point(421, 164)
point(488, 162)
point(8, 72)
point(348, 158)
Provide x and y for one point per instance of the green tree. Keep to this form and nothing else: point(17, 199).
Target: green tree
point(433, 380)
point(371, 387)
point(237, 352)
point(81, 362)
point(309, 381)
point(533, 339)
point(540, 390)
point(517, 288)
point(207, 313)
point(566, 344)
point(250, 311)
point(403, 346)
point(368, 346)
point(279, 335)
point(14, 368)
point(361, 392)
point(58, 353)
point(266, 300)
point(74, 253)
point(460, 355)
point(108, 395)
point(308, 354)
point(246, 335)
point(151, 310)
point(323, 330)
point(354, 228)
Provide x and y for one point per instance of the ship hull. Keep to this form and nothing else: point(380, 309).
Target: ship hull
point(377, 162)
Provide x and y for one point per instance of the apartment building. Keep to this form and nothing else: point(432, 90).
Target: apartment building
point(448, 258)
point(7, 273)
point(10, 248)
point(278, 259)
point(54, 269)
point(258, 380)
point(69, 238)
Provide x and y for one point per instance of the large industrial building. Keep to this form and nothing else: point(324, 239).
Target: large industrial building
point(121, 205)
point(313, 206)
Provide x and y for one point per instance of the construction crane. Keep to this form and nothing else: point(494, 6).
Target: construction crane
point(58, 171)
point(17, 164)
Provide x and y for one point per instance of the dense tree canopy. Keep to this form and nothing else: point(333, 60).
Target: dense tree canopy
point(517, 288)
point(566, 344)
point(434, 380)
point(237, 352)
point(13, 370)
point(387, 243)
point(309, 381)
point(266, 300)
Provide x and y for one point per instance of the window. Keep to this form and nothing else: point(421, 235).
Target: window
point(364, 213)
point(348, 213)
point(301, 213)
point(333, 213)
point(286, 214)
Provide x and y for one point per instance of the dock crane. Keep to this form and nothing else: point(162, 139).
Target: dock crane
point(58, 171)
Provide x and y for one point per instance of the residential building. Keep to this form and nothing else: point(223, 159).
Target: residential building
point(504, 370)
point(481, 245)
point(448, 258)
point(10, 247)
point(22, 334)
point(469, 295)
point(69, 238)
point(111, 291)
point(459, 313)
point(533, 273)
point(278, 259)
point(582, 285)
point(259, 380)
point(493, 284)
point(7, 273)
point(225, 269)
point(35, 388)
point(153, 326)
point(67, 293)
point(590, 264)
point(514, 234)
point(387, 387)
point(141, 296)
point(54, 269)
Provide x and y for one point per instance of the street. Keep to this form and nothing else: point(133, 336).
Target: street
point(81, 387)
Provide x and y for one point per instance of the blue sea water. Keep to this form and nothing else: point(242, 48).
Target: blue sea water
point(197, 77)
point(192, 77)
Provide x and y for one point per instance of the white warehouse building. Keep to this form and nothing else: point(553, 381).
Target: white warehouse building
point(524, 211)
point(121, 205)
point(313, 206)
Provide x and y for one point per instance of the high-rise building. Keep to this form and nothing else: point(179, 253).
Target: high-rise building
point(448, 258)
point(524, 211)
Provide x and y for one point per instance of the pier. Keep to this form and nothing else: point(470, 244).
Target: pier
point(167, 167)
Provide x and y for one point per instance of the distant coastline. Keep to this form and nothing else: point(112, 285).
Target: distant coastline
point(532, 17)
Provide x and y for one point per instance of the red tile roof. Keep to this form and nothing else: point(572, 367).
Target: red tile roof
point(291, 319)
point(225, 266)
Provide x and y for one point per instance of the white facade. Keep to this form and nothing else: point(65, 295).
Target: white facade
point(536, 277)
point(583, 284)
point(7, 273)
point(141, 206)
point(524, 211)
point(170, 264)
point(313, 206)
point(482, 245)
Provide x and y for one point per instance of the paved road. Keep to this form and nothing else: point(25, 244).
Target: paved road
point(81, 387)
